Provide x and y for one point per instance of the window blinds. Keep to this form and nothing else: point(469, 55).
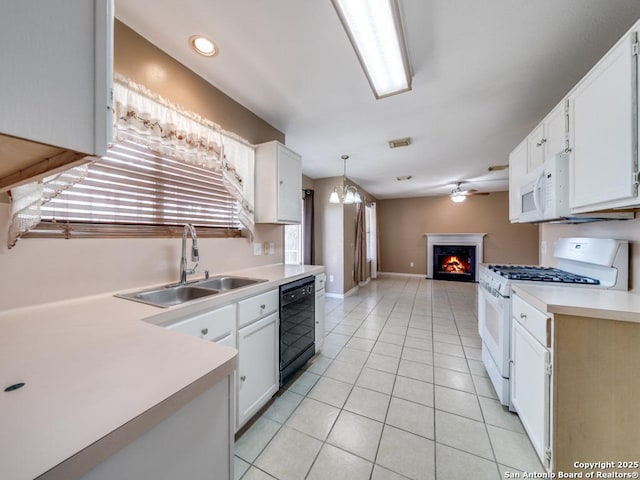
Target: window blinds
point(136, 192)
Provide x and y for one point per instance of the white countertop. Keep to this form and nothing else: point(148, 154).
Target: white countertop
point(582, 302)
point(91, 367)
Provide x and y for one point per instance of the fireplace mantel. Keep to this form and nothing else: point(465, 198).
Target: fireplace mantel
point(453, 239)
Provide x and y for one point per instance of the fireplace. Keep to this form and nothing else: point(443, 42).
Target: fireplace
point(454, 262)
point(465, 260)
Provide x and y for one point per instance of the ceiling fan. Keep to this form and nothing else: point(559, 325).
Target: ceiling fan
point(458, 195)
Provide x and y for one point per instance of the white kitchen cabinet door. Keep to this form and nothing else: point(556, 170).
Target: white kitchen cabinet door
point(535, 147)
point(278, 184)
point(57, 73)
point(517, 169)
point(556, 131)
point(530, 387)
point(549, 138)
point(289, 186)
point(258, 368)
point(604, 131)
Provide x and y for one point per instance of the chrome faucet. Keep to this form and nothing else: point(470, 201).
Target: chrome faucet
point(195, 257)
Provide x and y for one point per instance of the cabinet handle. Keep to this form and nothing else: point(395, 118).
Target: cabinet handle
point(523, 316)
point(204, 331)
point(263, 306)
point(281, 182)
point(243, 378)
point(541, 142)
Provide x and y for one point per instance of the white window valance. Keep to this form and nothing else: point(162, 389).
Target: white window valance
point(150, 120)
point(146, 118)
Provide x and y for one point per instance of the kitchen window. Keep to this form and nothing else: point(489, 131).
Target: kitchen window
point(167, 167)
point(134, 191)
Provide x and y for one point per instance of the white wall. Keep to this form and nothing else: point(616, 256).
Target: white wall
point(44, 270)
point(623, 230)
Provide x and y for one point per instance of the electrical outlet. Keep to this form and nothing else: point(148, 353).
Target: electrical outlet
point(331, 278)
point(257, 249)
point(411, 264)
point(272, 248)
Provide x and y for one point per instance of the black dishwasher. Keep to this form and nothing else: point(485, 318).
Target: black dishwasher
point(297, 326)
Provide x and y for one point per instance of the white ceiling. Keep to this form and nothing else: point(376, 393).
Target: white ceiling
point(484, 74)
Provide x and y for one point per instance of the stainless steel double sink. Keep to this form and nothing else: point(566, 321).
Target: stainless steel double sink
point(177, 294)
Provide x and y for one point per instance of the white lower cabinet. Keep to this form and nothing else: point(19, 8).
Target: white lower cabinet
point(531, 375)
point(196, 442)
point(258, 368)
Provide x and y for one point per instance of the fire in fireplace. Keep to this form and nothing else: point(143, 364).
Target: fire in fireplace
point(454, 262)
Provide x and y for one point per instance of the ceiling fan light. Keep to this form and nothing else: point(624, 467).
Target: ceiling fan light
point(458, 197)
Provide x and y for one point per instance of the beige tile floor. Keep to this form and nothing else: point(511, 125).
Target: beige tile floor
point(398, 391)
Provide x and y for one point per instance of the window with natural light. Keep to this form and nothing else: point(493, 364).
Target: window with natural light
point(134, 191)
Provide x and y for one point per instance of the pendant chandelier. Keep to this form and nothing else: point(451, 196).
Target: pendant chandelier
point(345, 193)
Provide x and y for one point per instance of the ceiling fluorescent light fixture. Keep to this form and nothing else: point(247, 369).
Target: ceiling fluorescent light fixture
point(375, 31)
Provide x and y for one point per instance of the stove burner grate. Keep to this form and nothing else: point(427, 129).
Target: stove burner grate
point(541, 274)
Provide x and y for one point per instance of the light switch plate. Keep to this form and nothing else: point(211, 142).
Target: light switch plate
point(272, 248)
point(257, 249)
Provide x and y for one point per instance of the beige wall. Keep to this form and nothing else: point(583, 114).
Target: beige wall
point(43, 270)
point(308, 183)
point(142, 62)
point(329, 234)
point(403, 222)
point(335, 231)
point(623, 230)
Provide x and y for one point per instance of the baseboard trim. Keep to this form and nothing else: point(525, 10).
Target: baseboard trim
point(395, 274)
point(343, 295)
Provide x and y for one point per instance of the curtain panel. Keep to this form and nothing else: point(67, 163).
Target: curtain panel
point(360, 257)
point(146, 118)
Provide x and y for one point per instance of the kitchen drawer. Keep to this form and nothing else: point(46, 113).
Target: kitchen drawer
point(537, 323)
point(212, 325)
point(256, 307)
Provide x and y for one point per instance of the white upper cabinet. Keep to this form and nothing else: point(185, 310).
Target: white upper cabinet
point(556, 130)
point(604, 132)
point(517, 168)
point(56, 78)
point(278, 185)
point(549, 138)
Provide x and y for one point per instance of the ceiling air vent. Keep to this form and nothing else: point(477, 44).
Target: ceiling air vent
point(400, 142)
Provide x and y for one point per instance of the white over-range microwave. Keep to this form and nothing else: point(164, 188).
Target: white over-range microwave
point(544, 192)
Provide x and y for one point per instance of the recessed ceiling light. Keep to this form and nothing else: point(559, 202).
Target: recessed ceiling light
point(400, 142)
point(405, 177)
point(203, 45)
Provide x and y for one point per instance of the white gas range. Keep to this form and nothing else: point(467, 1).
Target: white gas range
point(582, 262)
